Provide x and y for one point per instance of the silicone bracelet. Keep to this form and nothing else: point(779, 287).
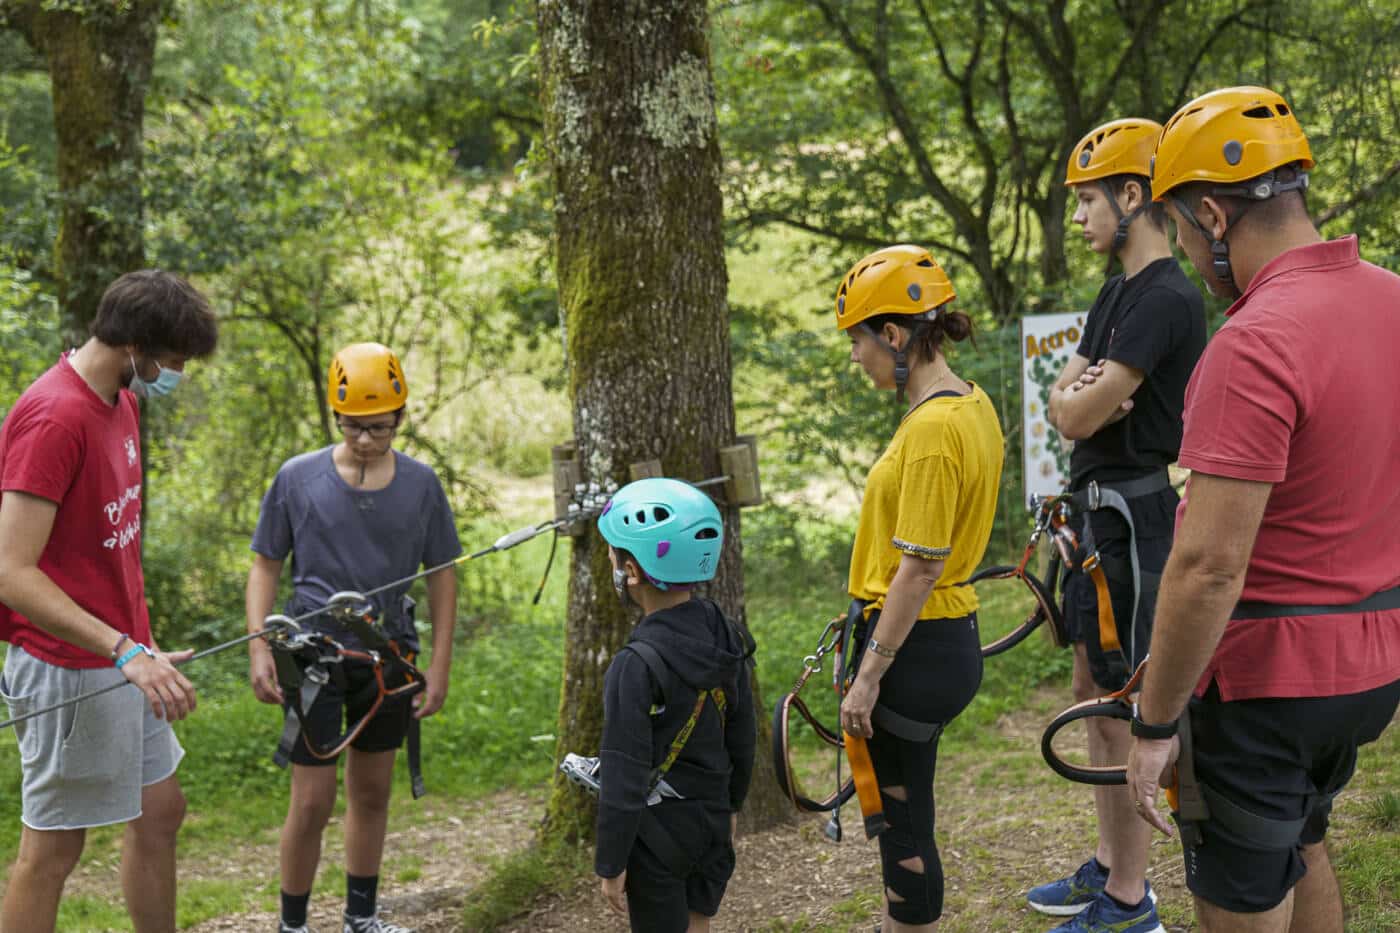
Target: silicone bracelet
point(132, 652)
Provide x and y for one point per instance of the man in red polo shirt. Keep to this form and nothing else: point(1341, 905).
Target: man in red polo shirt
point(1277, 632)
point(73, 607)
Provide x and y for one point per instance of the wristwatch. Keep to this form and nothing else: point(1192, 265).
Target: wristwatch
point(1147, 730)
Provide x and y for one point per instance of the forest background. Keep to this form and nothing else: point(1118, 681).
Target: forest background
point(364, 169)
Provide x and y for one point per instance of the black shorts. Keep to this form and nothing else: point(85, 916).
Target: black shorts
point(1111, 670)
point(337, 707)
point(1281, 759)
point(659, 901)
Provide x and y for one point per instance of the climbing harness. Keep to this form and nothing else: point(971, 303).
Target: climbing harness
point(839, 638)
point(1114, 496)
point(588, 503)
point(1051, 518)
point(1192, 803)
point(307, 661)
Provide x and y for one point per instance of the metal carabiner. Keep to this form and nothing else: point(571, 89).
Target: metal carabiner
point(1067, 542)
point(348, 604)
point(280, 627)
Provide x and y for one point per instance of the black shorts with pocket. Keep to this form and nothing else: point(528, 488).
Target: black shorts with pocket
point(1281, 759)
point(337, 707)
point(660, 901)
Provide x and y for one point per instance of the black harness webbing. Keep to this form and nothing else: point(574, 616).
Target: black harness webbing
point(664, 678)
point(1378, 602)
point(1205, 802)
point(1115, 496)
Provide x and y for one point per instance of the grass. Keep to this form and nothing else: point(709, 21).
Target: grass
point(518, 881)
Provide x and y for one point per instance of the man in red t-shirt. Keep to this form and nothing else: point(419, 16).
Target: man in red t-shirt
point(1278, 624)
point(73, 606)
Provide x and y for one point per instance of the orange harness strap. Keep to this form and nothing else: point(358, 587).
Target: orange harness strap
point(1108, 631)
point(872, 807)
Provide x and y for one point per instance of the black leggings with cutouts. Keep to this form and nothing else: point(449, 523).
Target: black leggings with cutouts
point(933, 678)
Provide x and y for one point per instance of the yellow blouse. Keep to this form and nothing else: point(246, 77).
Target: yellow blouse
point(933, 494)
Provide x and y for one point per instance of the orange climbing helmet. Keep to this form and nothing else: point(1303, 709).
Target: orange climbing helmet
point(1229, 136)
point(895, 280)
point(366, 379)
point(1122, 147)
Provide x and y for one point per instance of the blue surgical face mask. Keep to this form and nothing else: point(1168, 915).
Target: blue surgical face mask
point(165, 382)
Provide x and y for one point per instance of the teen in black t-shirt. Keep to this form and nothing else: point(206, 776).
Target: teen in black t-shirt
point(1154, 323)
point(1120, 399)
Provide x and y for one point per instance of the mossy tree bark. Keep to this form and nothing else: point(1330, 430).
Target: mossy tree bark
point(631, 132)
point(99, 56)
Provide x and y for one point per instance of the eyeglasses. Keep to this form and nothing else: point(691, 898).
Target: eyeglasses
point(353, 429)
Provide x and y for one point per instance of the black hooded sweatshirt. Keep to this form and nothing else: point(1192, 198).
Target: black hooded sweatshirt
point(703, 650)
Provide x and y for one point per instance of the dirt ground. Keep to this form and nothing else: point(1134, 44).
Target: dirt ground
point(1005, 823)
point(994, 841)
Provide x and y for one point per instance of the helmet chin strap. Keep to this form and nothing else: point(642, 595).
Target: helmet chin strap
point(1219, 249)
point(1262, 188)
point(1120, 235)
point(901, 358)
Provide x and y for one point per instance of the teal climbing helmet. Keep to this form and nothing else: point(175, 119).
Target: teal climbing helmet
point(671, 528)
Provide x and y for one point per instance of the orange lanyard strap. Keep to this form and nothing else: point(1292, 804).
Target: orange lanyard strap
point(872, 806)
point(1108, 629)
point(831, 642)
point(836, 639)
point(1051, 517)
point(782, 765)
point(1116, 705)
point(1045, 608)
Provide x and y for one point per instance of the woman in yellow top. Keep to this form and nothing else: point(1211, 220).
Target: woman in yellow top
point(924, 523)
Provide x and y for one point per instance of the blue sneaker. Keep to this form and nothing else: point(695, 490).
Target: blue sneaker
point(1069, 896)
point(1104, 916)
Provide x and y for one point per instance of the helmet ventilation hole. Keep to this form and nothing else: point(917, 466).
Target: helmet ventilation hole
point(706, 534)
point(1258, 113)
point(660, 514)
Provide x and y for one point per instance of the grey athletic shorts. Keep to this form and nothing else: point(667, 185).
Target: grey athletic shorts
point(84, 765)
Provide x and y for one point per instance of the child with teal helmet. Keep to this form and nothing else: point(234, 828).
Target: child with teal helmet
point(672, 529)
point(677, 704)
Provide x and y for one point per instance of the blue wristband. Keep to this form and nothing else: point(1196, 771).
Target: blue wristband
point(132, 652)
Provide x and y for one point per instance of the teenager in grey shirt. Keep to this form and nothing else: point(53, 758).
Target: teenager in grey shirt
point(352, 517)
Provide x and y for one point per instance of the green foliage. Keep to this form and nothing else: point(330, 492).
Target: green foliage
point(28, 331)
point(881, 121)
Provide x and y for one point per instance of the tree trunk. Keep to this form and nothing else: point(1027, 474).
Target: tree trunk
point(631, 131)
point(99, 62)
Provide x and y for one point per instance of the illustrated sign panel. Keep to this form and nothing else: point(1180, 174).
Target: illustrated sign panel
point(1047, 343)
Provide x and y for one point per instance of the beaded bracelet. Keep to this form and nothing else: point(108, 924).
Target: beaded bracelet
point(118, 646)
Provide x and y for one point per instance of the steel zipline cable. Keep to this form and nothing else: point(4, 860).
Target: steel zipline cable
point(592, 509)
